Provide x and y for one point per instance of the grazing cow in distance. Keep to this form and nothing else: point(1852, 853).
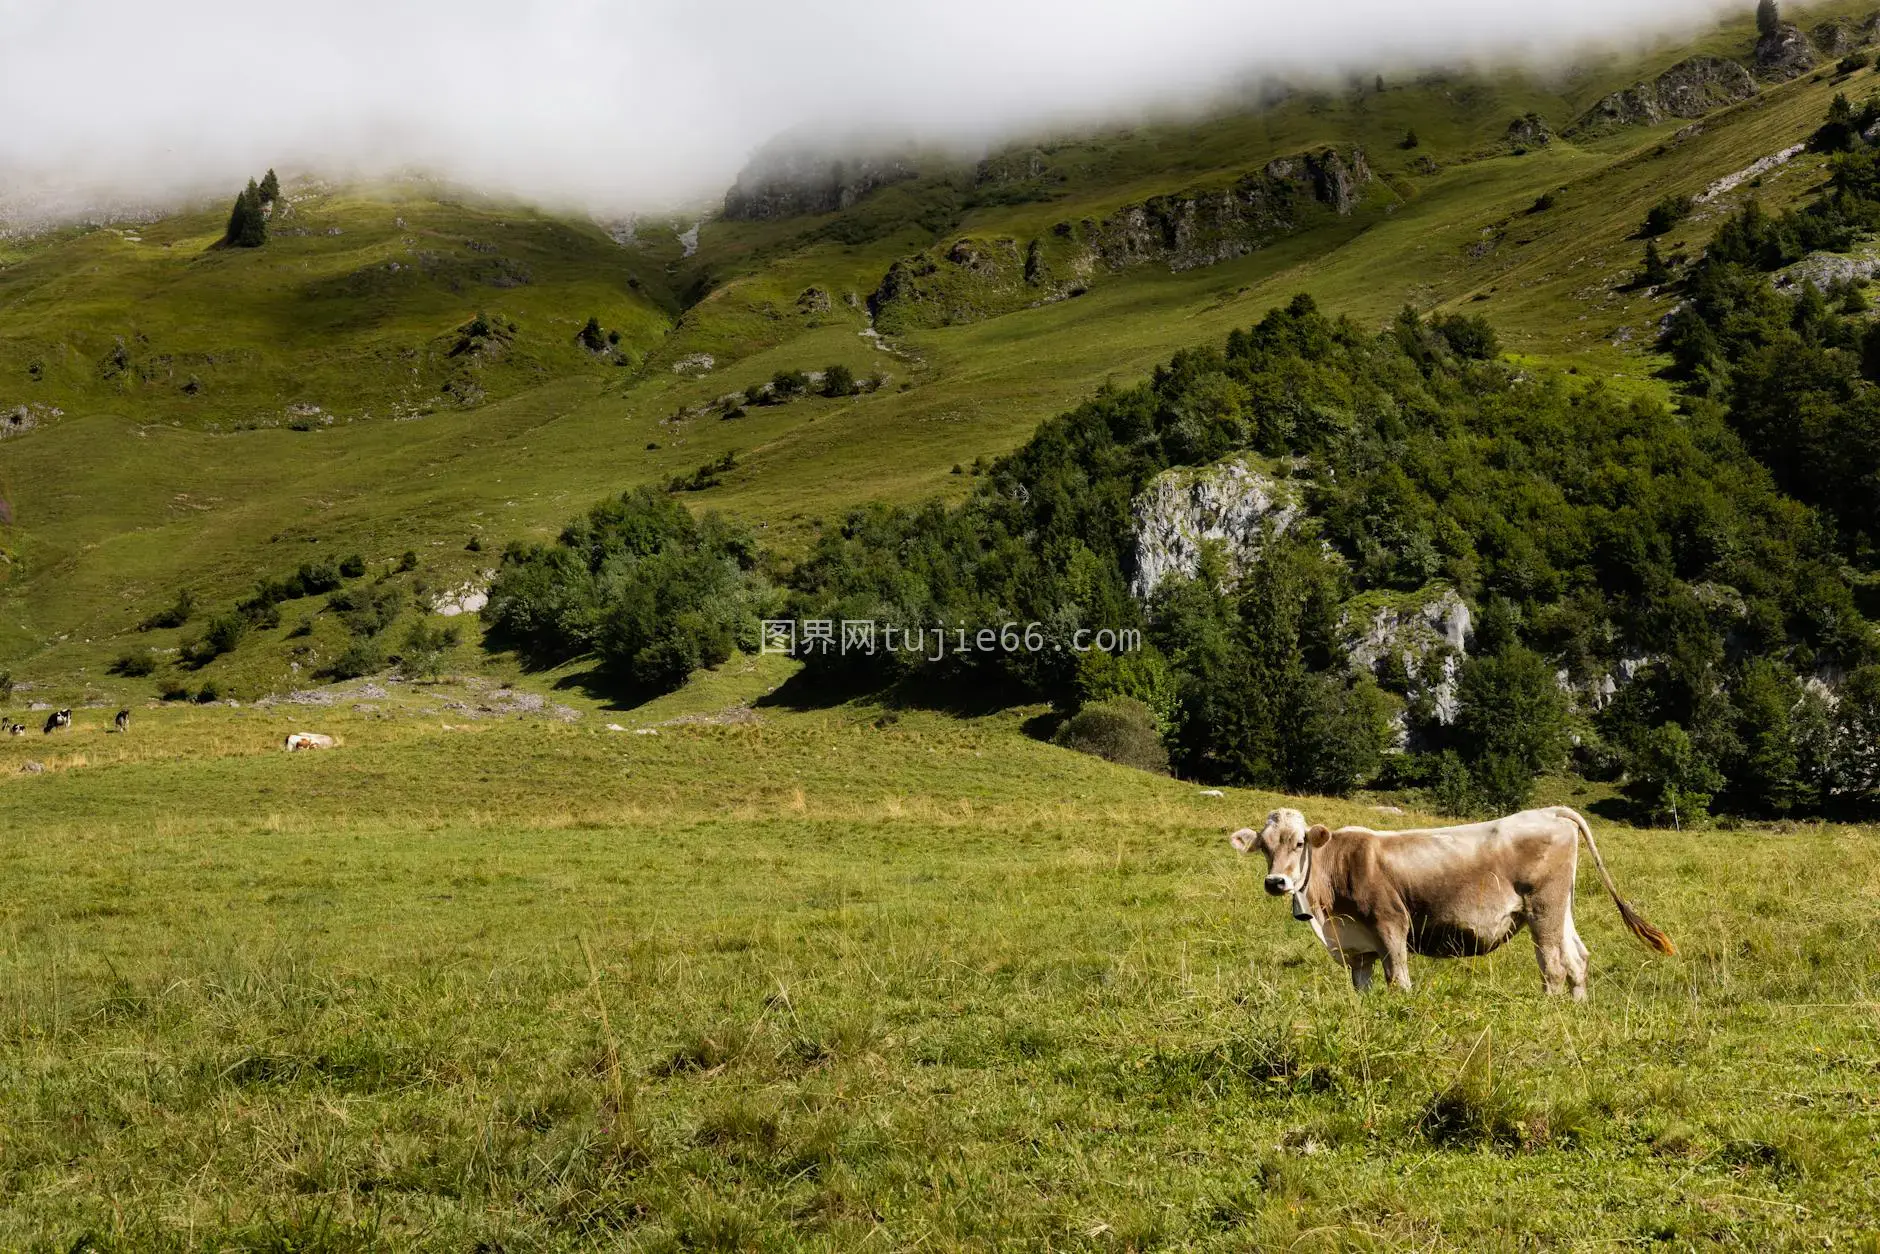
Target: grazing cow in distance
point(298, 741)
point(58, 719)
point(1446, 892)
point(16, 729)
point(123, 721)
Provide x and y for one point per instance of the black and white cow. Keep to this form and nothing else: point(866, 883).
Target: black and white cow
point(58, 719)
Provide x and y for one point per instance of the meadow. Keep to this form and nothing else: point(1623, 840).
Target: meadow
point(856, 976)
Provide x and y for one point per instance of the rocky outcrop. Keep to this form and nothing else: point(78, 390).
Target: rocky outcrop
point(793, 182)
point(1690, 89)
point(1749, 173)
point(1202, 228)
point(1230, 503)
point(1784, 53)
point(1839, 36)
point(468, 598)
point(1597, 693)
point(1418, 641)
point(1825, 270)
point(1529, 131)
point(23, 418)
point(978, 278)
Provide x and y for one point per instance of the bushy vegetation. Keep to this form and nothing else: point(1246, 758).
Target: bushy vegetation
point(1599, 536)
point(1121, 730)
point(1666, 214)
point(639, 584)
point(175, 614)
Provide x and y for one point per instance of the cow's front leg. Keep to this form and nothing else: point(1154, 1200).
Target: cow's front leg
point(1362, 965)
point(1396, 940)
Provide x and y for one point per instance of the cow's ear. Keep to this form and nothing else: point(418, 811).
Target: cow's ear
point(1243, 839)
point(1317, 835)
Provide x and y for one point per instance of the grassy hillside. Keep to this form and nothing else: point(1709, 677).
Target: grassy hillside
point(287, 449)
point(774, 978)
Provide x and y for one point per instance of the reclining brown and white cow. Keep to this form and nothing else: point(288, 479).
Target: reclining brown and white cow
point(1447, 892)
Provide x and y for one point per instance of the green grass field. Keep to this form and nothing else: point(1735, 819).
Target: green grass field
point(852, 977)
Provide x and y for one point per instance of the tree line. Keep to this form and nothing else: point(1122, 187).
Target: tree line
point(1597, 536)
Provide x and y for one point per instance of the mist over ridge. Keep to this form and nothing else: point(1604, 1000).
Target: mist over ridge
point(615, 107)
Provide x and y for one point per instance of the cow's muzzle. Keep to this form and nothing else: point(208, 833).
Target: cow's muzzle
point(1278, 885)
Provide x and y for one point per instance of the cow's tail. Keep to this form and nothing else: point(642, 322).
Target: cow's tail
point(1634, 921)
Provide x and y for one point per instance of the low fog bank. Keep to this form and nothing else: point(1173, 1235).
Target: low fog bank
point(114, 107)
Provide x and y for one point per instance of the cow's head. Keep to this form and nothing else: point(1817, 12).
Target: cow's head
point(1284, 840)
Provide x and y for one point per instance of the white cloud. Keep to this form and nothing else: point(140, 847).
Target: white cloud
point(650, 101)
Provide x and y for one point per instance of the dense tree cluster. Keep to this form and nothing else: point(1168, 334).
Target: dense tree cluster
point(637, 582)
point(1597, 534)
point(1795, 375)
point(1670, 598)
point(248, 220)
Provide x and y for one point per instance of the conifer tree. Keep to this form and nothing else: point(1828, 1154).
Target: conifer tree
point(247, 225)
point(270, 188)
point(1656, 272)
point(1768, 18)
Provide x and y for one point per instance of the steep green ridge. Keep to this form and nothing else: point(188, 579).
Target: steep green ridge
point(355, 309)
point(137, 487)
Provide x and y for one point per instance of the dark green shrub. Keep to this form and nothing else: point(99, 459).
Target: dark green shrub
point(408, 561)
point(367, 611)
point(1470, 338)
point(365, 655)
point(1120, 730)
point(1667, 213)
point(352, 567)
point(425, 647)
point(210, 693)
point(591, 336)
point(175, 614)
point(637, 582)
point(1510, 724)
point(838, 380)
point(170, 688)
point(1673, 777)
point(223, 635)
point(787, 385)
point(136, 664)
point(708, 475)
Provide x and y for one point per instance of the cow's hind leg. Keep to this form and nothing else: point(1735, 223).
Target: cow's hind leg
point(1556, 947)
point(1575, 957)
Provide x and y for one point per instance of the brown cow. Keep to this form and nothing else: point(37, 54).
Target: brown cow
point(1447, 892)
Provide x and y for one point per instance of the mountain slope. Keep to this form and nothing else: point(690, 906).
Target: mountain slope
point(138, 486)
